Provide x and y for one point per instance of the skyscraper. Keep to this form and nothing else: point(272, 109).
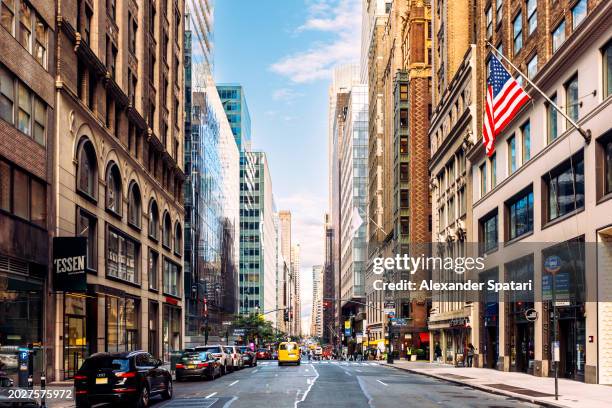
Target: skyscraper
point(316, 317)
point(296, 306)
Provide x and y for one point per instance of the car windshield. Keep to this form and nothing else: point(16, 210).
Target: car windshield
point(97, 363)
point(210, 349)
point(243, 349)
point(192, 355)
point(287, 346)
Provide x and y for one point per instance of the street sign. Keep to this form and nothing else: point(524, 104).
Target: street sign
point(389, 308)
point(238, 332)
point(531, 315)
point(556, 351)
point(227, 323)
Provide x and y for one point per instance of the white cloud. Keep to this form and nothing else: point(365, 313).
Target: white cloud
point(340, 18)
point(286, 94)
point(307, 212)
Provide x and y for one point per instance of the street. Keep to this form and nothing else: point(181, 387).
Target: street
point(328, 384)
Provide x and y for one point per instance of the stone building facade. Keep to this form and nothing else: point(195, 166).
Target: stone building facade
point(118, 176)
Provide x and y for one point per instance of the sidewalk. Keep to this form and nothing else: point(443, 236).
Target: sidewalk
point(526, 387)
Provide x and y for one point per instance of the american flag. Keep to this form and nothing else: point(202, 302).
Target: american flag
point(504, 99)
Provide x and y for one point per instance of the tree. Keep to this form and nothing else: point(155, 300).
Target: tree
point(256, 327)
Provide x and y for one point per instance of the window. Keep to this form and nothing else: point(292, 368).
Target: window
point(493, 160)
point(517, 29)
point(7, 15)
point(24, 115)
point(153, 270)
point(403, 92)
point(23, 195)
point(607, 69)
point(489, 15)
point(153, 220)
point(171, 278)
point(111, 8)
point(134, 205)
point(532, 15)
point(132, 32)
point(511, 154)
point(178, 239)
point(579, 12)
point(558, 36)
point(40, 46)
point(113, 189)
point(520, 214)
point(122, 256)
point(488, 231)
point(404, 199)
point(5, 186)
point(565, 187)
point(571, 98)
point(532, 67)
point(87, 170)
point(167, 231)
point(7, 96)
point(499, 9)
point(403, 118)
point(551, 119)
point(462, 201)
point(86, 227)
point(25, 25)
point(526, 142)
point(483, 179)
point(38, 203)
point(607, 149)
point(450, 212)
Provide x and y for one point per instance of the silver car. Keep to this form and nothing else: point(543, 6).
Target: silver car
point(235, 357)
point(218, 352)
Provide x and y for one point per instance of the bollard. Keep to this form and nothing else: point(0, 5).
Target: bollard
point(43, 386)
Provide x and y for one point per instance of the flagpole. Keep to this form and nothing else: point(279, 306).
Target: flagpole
point(586, 134)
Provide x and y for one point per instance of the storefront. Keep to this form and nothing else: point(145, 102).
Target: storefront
point(521, 331)
point(21, 318)
point(171, 330)
point(488, 349)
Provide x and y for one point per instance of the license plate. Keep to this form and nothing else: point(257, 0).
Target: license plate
point(190, 365)
point(101, 380)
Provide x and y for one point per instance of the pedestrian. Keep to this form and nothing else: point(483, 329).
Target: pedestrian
point(437, 352)
point(470, 354)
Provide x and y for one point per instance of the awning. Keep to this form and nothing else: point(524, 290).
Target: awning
point(424, 337)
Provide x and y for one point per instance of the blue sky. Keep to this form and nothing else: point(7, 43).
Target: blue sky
point(282, 52)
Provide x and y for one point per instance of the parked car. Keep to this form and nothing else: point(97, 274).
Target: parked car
point(235, 357)
point(219, 353)
point(248, 356)
point(127, 378)
point(263, 354)
point(197, 364)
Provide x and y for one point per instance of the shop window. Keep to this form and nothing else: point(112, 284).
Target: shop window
point(87, 169)
point(86, 227)
point(122, 256)
point(113, 189)
point(134, 205)
point(154, 329)
point(488, 232)
point(564, 187)
point(153, 220)
point(520, 214)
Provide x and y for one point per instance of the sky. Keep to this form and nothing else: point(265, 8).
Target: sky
point(283, 53)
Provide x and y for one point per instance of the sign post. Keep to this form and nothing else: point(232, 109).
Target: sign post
point(552, 264)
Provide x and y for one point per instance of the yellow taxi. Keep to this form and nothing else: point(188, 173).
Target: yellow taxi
point(288, 352)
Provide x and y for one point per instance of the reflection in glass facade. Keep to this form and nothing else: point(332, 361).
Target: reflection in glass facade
point(353, 195)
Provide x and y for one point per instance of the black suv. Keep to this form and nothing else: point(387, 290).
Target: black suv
point(131, 377)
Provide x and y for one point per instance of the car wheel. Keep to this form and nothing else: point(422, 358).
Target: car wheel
point(143, 399)
point(167, 393)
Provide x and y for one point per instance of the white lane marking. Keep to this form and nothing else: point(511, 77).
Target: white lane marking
point(386, 385)
point(276, 375)
point(211, 395)
point(309, 387)
point(230, 402)
point(365, 391)
point(233, 383)
point(255, 370)
point(346, 372)
point(358, 370)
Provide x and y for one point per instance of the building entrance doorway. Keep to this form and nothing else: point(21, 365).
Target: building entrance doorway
point(75, 345)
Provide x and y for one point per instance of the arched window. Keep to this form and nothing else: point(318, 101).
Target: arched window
point(167, 231)
point(113, 189)
point(153, 220)
point(178, 239)
point(87, 169)
point(134, 205)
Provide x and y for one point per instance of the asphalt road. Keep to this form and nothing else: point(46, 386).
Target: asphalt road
point(328, 384)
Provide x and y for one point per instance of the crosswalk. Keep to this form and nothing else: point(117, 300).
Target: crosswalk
point(191, 403)
point(330, 362)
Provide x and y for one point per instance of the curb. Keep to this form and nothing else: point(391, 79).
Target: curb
point(482, 388)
